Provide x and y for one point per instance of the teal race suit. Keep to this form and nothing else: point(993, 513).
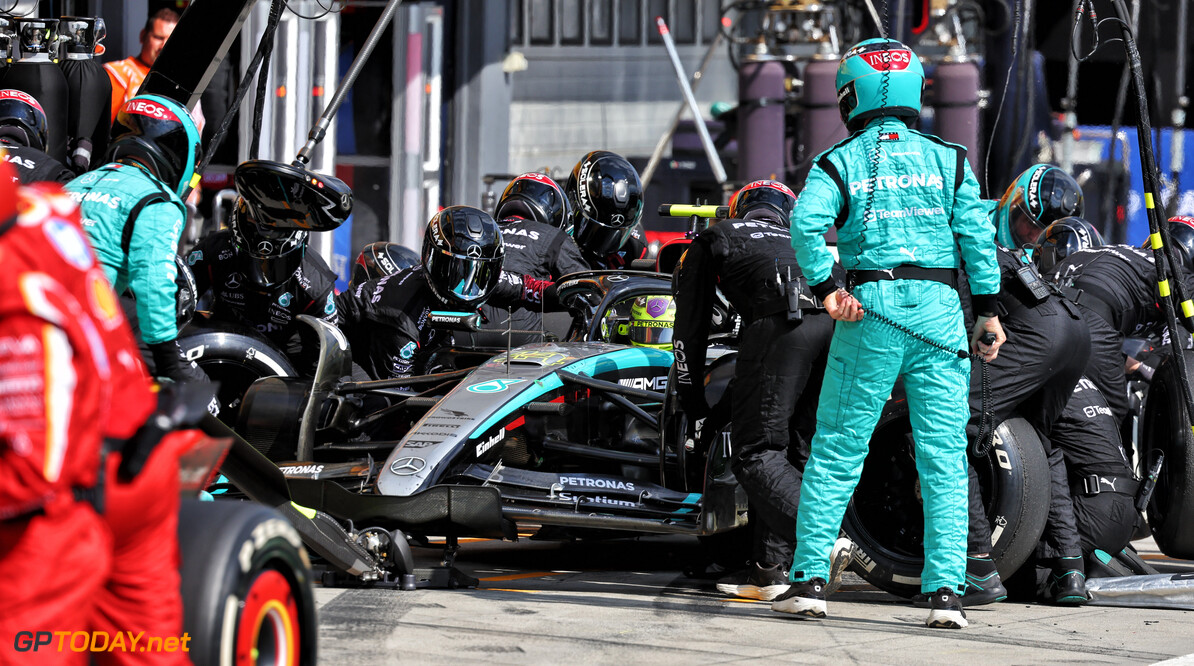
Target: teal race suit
point(135, 223)
point(924, 213)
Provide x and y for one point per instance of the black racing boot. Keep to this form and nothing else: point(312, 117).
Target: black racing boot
point(983, 585)
point(806, 599)
point(1067, 582)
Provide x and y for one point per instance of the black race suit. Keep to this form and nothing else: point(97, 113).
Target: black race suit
point(1047, 349)
point(1116, 288)
point(1101, 481)
point(777, 378)
point(33, 165)
point(388, 320)
point(272, 311)
point(540, 251)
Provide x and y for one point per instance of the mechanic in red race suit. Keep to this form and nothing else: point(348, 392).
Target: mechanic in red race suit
point(23, 138)
point(783, 349)
point(388, 321)
point(606, 196)
point(81, 362)
point(531, 212)
point(265, 290)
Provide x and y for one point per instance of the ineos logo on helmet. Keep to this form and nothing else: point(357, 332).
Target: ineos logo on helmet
point(148, 108)
point(22, 96)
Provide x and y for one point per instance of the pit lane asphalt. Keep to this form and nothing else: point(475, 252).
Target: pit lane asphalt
point(627, 602)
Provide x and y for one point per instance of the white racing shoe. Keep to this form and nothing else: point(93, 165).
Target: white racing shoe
point(805, 599)
point(755, 582)
point(839, 559)
point(946, 611)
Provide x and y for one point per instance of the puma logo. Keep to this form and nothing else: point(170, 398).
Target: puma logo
point(911, 253)
point(1108, 482)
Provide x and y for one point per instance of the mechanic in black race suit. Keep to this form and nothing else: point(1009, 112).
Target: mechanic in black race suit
point(1115, 287)
point(388, 321)
point(606, 195)
point(264, 278)
point(1033, 376)
point(530, 213)
point(777, 379)
point(23, 139)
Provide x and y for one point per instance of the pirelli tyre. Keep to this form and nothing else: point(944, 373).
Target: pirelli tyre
point(1164, 428)
point(885, 518)
point(235, 357)
point(246, 586)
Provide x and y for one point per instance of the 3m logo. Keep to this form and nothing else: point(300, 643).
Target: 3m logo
point(144, 107)
point(22, 96)
point(893, 60)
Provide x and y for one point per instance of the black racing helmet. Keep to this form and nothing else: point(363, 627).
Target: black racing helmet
point(1063, 238)
point(22, 119)
point(763, 199)
point(534, 196)
point(381, 259)
point(272, 255)
point(1040, 196)
point(159, 134)
point(607, 202)
point(1181, 235)
point(462, 254)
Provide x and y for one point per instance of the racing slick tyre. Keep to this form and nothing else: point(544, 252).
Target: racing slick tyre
point(886, 521)
point(1164, 429)
point(234, 357)
point(246, 586)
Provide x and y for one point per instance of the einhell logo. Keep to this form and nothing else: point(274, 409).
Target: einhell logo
point(893, 60)
point(144, 107)
point(23, 96)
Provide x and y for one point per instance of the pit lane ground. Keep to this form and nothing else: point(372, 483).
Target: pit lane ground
point(627, 602)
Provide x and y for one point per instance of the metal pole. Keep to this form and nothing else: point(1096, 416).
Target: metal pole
point(1070, 102)
point(657, 154)
point(1177, 149)
point(325, 120)
point(719, 171)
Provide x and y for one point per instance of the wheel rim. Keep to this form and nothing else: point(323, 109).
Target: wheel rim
point(268, 628)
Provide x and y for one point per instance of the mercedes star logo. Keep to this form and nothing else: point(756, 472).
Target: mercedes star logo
point(234, 280)
point(407, 466)
point(474, 252)
point(265, 248)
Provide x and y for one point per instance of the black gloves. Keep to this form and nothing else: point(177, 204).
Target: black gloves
point(171, 364)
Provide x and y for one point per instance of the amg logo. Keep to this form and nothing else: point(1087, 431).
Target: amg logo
point(646, 383)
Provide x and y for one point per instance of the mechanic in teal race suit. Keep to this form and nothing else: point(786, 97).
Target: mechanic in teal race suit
point(907, 209)
point(134, 215)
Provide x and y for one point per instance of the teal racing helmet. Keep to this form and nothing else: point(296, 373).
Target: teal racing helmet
point(879, 77)
point(1040, 196)
point(1063, 238)
point(159, 134)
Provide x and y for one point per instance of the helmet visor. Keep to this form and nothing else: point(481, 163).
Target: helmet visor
point(651, 333)
point(599, 238)
point(466, 280)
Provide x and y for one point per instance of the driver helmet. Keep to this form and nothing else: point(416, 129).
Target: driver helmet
point(273, 255)
point(651, 321)
point(462, 254)
point(381, 259)
point(1181, 235)
point(768, 200)
point(1063, 238)
point(879, 77)
point(22, 119)
point(607, 202)
point(160, 135)
point(1038, 197)
point(533, 196)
